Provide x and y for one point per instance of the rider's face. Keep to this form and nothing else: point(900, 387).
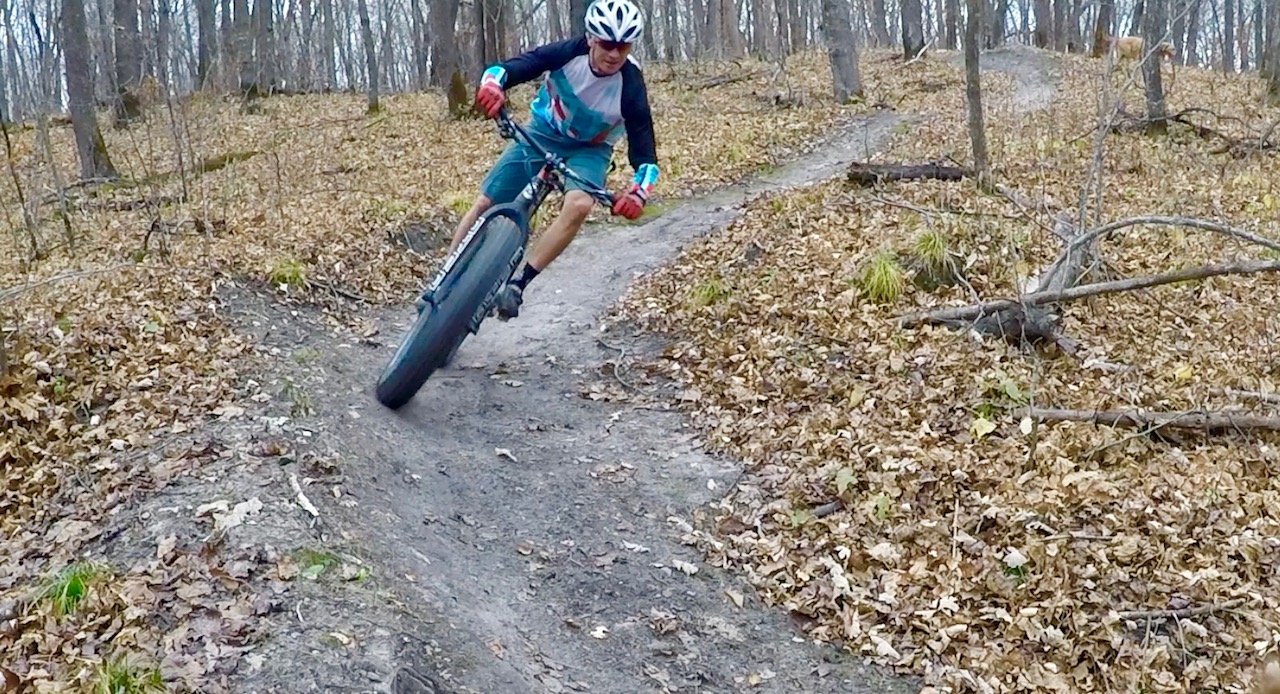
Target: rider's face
point(607, 57)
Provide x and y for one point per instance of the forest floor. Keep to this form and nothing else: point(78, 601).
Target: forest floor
point(192, 421)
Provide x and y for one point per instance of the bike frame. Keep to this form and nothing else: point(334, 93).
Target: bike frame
point(521, 210)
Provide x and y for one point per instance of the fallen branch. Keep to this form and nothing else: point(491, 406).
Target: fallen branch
point(1188, 222)
point(11, 292)
point(827, 509)
point(336, 290)
point(863, 173)
point(1208, 421)
point(1184, 613)
point(728, 78)
point(1269, 398)
point(976, 311)
point(921, 53)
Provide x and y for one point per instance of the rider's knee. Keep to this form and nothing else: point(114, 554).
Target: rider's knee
point(578, 204)
point(482, 203)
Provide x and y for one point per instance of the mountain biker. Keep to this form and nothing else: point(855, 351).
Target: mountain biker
point(592, 93)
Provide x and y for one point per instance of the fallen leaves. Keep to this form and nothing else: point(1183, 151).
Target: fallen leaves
point(972, 545)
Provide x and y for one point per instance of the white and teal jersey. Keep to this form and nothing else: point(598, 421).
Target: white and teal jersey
point(583, 107)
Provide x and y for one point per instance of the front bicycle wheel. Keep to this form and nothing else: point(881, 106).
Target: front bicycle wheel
point(442, 325)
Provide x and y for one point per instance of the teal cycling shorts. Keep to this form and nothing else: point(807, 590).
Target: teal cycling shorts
point(518, 164)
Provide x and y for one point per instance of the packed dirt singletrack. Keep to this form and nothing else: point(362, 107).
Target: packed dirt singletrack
point(529, 529)
point(544, 527)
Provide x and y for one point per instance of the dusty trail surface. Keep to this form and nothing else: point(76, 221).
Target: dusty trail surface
point(533, 533)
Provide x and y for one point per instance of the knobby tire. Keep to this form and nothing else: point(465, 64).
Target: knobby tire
point(442, 325)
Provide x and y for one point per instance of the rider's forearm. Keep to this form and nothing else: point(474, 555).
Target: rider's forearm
point(530, 64)
point(646, 177)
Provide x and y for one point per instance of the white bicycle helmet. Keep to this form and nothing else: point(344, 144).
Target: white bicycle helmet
point(614, 20)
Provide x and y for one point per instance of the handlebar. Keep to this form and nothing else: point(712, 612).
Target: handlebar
point(510, 129)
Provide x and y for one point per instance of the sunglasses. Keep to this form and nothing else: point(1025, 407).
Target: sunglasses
point(613, 45)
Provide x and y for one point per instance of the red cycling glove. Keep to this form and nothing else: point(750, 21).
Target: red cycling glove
point(629, 204)
point(490, 97)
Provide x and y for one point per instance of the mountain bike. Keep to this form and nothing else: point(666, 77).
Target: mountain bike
point(462, 293)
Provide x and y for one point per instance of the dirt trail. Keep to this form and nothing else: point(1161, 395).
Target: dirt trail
point(1035, 71)
point(520, 537)
point(554, 568)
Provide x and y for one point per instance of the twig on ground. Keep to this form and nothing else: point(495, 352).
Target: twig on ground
point(11, 292)
point(1188, 222)
point(975, 311)
point(1207, 421)
point(827, 509)
point(1269, 398)
point(303, 501)
point(1183, 613)
point(336, 290)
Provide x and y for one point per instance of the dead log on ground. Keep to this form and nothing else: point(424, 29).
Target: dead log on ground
point(1204, 421)
point(866, 174)
point(1236, 146)
point(722, 80)
point(975, 311)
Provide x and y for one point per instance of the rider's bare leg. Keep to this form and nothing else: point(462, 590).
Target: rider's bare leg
point(481, 204)
point(577, 205)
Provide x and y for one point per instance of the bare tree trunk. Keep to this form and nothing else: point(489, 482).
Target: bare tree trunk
point(1102, 28)
point(648, 43)
point(1259, 45)
point(491, 20)
point(1272, 63)
point(735, 44)
point(999, 22)
point(387, 60)
point(94, 160)
point(262, 26)
point(421, 74)
point(760, 28)
point(226, 45)
point(205, 22)
point(912, 28)
point(242, 45)
point(1076, 41)
point(330, 42)
point(799, 36)
point(555, 20)
point(577, 16)
point(1136, 28)
point(103, 55)
point(164, 32)
point(841, 53)
point(1060, 25)
point(782, 10)
point(445, 58)
point(1044, 23)
point(711, 41)
point(973, 93)
point(1179, 25)
point(128, 62)
point(1228, 36)
point(306, 66)
point(5, 113)
point(146, 30)
point(1153, 33)
point(1193, 35)
point(1242, 37)
point(951, 35)
point(880, 23)
point(670, 30)
point(370, 55)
